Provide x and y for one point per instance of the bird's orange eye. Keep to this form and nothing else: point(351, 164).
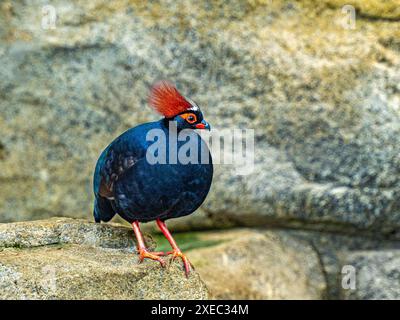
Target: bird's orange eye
point(189, 117)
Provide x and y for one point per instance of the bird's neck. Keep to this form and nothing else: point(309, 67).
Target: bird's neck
point(167, 123)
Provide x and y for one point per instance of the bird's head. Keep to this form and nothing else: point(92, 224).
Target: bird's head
point(166, 100)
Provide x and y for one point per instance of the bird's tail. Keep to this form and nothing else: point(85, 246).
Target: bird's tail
point(103, 210)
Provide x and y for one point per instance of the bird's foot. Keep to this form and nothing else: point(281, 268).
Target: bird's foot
point(186, 263)
point(143, 253)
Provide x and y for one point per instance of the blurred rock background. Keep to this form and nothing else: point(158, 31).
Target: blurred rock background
point(321, 91)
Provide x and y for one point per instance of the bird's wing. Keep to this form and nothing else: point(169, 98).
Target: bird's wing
point(118, 157)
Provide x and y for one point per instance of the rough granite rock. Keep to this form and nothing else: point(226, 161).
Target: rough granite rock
point(74, 259)
point(67, 231)
point(377, 275)
point(259, 265)
point(319, 262)
point(323, 100)
point(337, 252)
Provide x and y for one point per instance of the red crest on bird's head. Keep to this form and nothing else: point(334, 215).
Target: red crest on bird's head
point(166, 99)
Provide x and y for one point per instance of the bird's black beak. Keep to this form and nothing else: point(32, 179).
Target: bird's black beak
point(203, 125)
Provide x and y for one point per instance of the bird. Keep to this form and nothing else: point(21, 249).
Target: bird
point(141, 183)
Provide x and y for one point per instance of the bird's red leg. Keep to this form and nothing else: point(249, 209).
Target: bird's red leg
point(176, 252)
point(143, 252)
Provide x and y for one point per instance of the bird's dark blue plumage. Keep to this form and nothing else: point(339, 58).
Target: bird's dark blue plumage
point(156, 171)
point(126, 183)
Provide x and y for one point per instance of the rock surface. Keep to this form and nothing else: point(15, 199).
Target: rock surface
point(74, 259)
point(342, 257)
point(377, 275)
point(323, 100)
point(259, 265)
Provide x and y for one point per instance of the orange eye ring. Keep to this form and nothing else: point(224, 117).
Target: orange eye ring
point(189, 117)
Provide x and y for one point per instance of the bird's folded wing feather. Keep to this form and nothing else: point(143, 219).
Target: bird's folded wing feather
point(115, 160)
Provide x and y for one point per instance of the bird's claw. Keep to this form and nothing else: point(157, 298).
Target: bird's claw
point(186, 263)
point(151, 255)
